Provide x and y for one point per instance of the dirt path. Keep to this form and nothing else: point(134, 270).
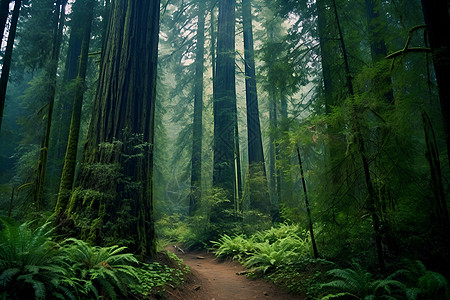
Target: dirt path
point(213, 279)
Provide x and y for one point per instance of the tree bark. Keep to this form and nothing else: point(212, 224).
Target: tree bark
point(114, 187)
point(324, 53)
point(254, 140)
point(68, 172)
point(272, 155)
point(378, 46)
point(437, 20)
point(255, 149)
point(81, 17)
point(196, 171)
point(225, 100)
point(51, 72)
point(8, 56)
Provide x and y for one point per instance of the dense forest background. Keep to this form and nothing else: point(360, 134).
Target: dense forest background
point(140, 123)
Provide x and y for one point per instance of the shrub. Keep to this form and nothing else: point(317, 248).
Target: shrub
point(266, 250)
point(284, 251)
point(237, 247)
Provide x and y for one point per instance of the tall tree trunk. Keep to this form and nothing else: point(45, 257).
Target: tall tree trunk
point(196, 171)
point(68, 172)
point(308, 209)
point(359, 142)
point(284, 155)
point(336, 144)
point(114, 187)
point(4, 11)
point(238, 165)
point(213, 45)
point(272, 155)
point(7, 59)
point(324, 53)
point(378, 46)
point(225, 100)
point(81, 12)
point(437, 20)
point(255, 148)
point(272, 151)
point(51, 71)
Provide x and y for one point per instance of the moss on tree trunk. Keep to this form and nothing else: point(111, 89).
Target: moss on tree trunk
point(114, 200)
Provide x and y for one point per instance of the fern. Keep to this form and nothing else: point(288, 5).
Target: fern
point(31, 265)
point(8, 275)
point(266, 250)
point(422, 283)
point(103, 269)
point(237, 247)
point(356, 282)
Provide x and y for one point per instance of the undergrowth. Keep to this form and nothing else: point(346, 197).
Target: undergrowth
point(267, 250)
point(153, 278)
point(33, 265)
point(412, 282)
point(283, 255)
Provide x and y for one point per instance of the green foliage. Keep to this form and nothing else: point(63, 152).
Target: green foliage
point(237, 247)
point(268, 255)
point(154, 277)
point(358, 283)
point(422, 283)
point(100, 270)
point(282, 254)
point(209, 222)
point(302, 276)
point(31, 266)
point(265, 251)
point(412, 283)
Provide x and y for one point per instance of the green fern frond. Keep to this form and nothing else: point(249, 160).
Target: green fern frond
point(433, 283)
point(387, 285)
point(339, 285)
point(8, 275)
point(107, 287)
point(343, 295)
point(412, 293)
point(39, 289)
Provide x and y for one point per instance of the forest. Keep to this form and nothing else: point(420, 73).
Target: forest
point(306, 140)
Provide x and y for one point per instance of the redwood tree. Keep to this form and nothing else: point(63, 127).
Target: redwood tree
point(225, 100)
point(70, 159)
point(59, 16)
point(113, 199)
point(196, 172)
point(255, 148)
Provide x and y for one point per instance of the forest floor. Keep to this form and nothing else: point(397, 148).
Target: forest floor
point(214, 279)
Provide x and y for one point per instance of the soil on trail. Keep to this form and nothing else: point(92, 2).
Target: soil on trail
point(220, 280)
